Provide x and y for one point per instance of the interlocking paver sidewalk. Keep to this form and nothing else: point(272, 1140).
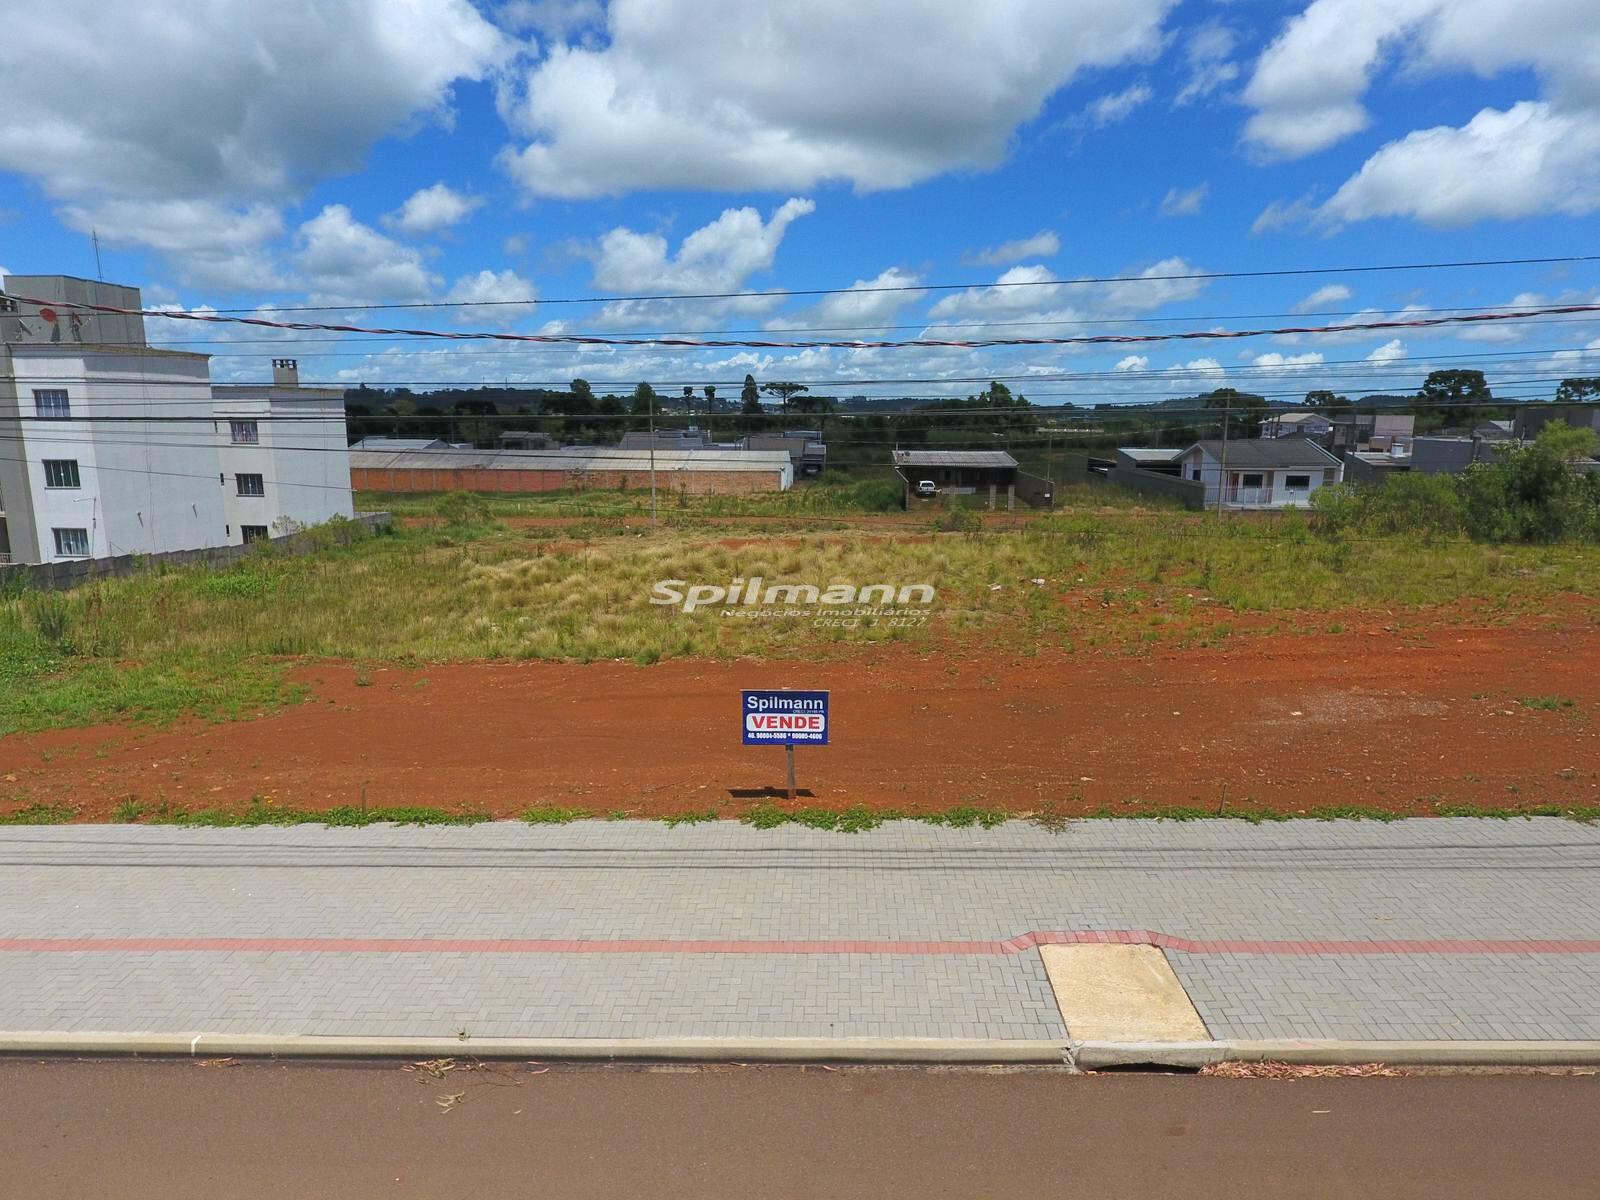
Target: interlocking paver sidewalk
point(510, 930)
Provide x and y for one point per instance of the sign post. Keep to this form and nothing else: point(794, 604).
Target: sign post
point(784, 718)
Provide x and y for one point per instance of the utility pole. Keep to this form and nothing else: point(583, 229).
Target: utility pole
point(1222, 462)
point(99, 272)
point(653, 520)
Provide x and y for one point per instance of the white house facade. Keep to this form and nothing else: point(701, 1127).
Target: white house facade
point(1297, 424)
point(116, 447)
point(1260, 473)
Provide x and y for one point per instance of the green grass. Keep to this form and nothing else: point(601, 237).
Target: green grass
point(692, 817)
point(38, 814)
point(832, 496)
point(965, 816)
point(1547, 703)
point(550, 814)
point(219, 643)
point(855, 819)
point(262, 812)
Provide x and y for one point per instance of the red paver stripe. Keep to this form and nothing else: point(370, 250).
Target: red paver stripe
point(1014, 945)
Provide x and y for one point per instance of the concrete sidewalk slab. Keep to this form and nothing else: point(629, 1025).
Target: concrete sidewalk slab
point(1120, 994)
point(1443, 930)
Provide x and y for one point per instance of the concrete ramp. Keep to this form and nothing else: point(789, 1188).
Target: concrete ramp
point(1120, 993)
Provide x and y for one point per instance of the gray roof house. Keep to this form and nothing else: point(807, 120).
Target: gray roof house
point(1280, 472)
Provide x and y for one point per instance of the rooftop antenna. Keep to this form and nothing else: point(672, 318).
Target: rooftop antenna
point(99, 272)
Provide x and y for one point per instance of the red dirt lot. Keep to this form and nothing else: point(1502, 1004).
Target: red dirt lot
point(1287, 722)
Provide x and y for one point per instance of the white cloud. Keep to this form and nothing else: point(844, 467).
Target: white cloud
point(1502, 332)
point(1117, 106)
point(214, 245)
point(1184, 202)
point(493, 288)
point(342, 261)
point(432, 209)
point(1283, 214)
point(1031, 288)
point(1291, 361)
point(553, 18)
point(1207, 52)
point(515, 246)
point(1526, 160)
point(1328, 293)
point(1133, 362)
point(1340, 335)
point(1390, 351)
point(231, 102)
point(1572, 360)
point(1537, 156)
point(1209, 366)
point(865, 307)
point(720, 256)
point(1016, 290)
point(275, 94)
point(713, 95)
point(1043, 244)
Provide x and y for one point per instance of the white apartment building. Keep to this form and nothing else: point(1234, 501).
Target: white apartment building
point(110, 446)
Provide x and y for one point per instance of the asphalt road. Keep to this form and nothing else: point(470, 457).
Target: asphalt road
point(174, 1130)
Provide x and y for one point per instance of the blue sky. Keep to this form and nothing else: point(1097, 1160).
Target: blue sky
point(345, 152)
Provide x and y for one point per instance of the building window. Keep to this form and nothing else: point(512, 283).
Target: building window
point(1252, 481)
point(253, 533)
point(72, 543)
point(244, 433)
point(52, 403)
point(1297, 483)
point(61, 473)
point(250, 485)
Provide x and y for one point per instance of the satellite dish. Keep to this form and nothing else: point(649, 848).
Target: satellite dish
point(49, 314)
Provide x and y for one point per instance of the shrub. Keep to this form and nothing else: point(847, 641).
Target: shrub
point(464, 510)
point(1533, 493)
point(1405, 503)
point(234, 585)
point(51, 617)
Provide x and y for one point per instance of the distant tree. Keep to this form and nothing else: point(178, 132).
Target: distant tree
point(812, 404)
point(1326, 402)
point(785, 392)
point(751, 397)
point(581, 391)
point(1244, 410)
point(688, 399)
point(711, 397)
point(1455, 396)
point(644, 400)
point(1578, 390)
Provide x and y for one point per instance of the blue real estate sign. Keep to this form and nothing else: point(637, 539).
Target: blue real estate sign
point(784, 718)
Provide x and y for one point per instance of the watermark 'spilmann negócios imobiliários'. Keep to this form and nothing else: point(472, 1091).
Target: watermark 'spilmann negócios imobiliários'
point(841, 602)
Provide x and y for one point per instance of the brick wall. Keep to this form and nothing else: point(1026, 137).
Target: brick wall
point(693, 483)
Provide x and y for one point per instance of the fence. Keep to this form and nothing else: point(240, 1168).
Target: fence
point(60, 575)
point(1191, 493)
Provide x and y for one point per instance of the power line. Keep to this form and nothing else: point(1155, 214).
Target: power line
point(1318, 369)
point(1353, 312)
point(870, 344)
point(1173, 277)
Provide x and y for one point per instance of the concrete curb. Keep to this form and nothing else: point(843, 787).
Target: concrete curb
point(1087, 1055)
point(1092, 1056)
point(680, 1049)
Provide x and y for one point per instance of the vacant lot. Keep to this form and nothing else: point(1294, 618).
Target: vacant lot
point(1085, 660)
